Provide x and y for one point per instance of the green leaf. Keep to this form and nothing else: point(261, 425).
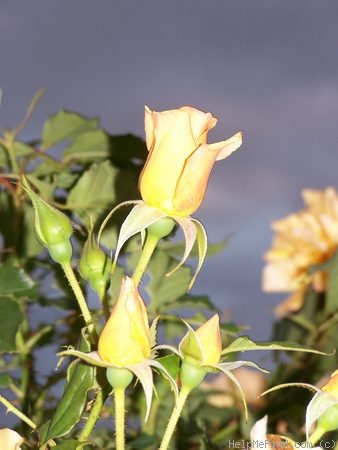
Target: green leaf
point(244, 343)
point(12, 317)
point(171, 363)
point(90, 145)
point(22, 149)
point(69, 444)
point(65, 125)
point(193, 301)
point(5, 379)
point(127, 150)
point(143, 442)
point(74, 399)
point(94, 191)
point(175, 249)
point(231, 328)
point(16, 282)
point(165, 290)
point(45, 189)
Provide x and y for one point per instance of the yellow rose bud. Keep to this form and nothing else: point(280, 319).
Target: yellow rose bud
point(176, 173)
point(126, 337)
point(332, 385)
point(209, 336)
point(203, 347)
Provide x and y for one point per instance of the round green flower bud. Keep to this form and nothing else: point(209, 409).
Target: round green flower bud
point(95, 267)
point(162, 227)
point(118, 377)
point(191, 376)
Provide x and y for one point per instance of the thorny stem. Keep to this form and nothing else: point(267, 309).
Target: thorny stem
point(68, 270)
point(17, 412)
point(119, 418)
point(174, 418)
point(93, 416)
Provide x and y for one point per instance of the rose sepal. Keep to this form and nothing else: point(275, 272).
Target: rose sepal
point(143, 216)
point(142, 371)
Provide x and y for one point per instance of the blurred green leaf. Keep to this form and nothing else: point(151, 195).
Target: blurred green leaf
point(127, 150)
point(65, 125)
point(165, 290)
point(193, 301)
point(22, 149)
point(231, 328)
point(66, 179)
point(12, 317)
point(69, 444)
point(172, 364)
point(176, 249)
point(16, 282)
point(45, 189)
point(91, 145)
point(142, 442)
point(94, 191)
point(5, 380)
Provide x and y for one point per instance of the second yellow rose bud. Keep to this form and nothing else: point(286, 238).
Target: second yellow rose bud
point(125, 338)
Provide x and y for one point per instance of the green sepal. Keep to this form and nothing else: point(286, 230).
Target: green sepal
point(328, 421)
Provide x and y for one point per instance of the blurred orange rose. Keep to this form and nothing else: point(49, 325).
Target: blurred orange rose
point(176, 173)
point(302, 240)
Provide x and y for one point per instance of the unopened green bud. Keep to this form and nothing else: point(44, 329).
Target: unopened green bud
point(95, 267)
point(53, 228)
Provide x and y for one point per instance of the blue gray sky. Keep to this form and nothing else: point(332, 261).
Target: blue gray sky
point(266, 67)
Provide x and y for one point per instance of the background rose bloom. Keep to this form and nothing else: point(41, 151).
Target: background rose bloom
point(302, 240)
point(10, 439)
point(176, 173)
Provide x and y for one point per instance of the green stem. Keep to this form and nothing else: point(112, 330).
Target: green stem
point(93, 416)
point(105, 306)
point(174, 418)
point(11, 408)
point(119, 418)
point(147, 251)
point(316, 435)
point(68, 270)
